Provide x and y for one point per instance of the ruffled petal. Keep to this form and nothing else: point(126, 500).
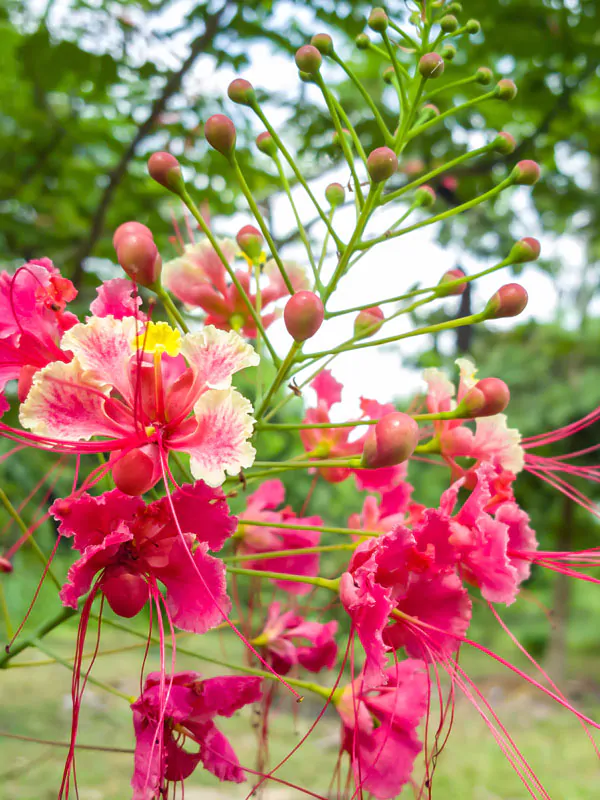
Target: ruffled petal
point(117, 298)
point(215, 355)
point(203, 511)
point(224, 695)
point(219, 757)
point(90, 518)
point(329, 391)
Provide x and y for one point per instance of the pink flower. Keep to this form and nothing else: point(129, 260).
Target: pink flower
point(129, 546)
point(390, 574)
point(32, 321)
point(150, 391)
point(199, 279)
point(187, 705)
point(394, 508)
point(282, 638)
point(256, 539)
point(380, 727)
point(117, 298)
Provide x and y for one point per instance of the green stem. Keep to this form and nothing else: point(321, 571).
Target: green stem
point(49, 625)
point(299, 551)
point(448, 86)
point(172, 309)
point(279, 377)
point(322, 583)
point(349, 127)
point(350, 463)
point(5, 612)
point(302, 527)
point(455, 110)
point(408, 39)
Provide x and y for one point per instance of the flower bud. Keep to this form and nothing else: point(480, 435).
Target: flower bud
point(323, 42)
point(449, 277)
point(362, 41)
point(390, 441)
point(378, 20)
point(219, 131)
point(526, 173)
point(473, 26)
point(431, 65)
point(449, 23)
point(250, 241)
point(382, 163)
point(266, 144)
point(505, 89)
point(454, 8)
point(527, 249)
point(448, 52)
point(368, 321)
point(166, 170)
point(134, 473)
point(128, 228)
point(428, 112)
point(508, 301)
point(504, 143)
point(241, 91)
point(484, 76)
point(139, 257)
point(308, 59)
point(335, 194)
point(389, 74)
point(5, 566)
point(347, 138)
point(303, 315)
point(424, 196)
point(489, 396)
point(126, 592)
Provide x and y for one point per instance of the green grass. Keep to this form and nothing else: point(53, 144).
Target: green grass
point(36, 702)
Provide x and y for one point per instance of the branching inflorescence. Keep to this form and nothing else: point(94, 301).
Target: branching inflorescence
point(150, 524)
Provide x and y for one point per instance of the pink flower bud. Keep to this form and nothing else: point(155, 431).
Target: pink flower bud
point(126, 592)
point(362, 41)
point(219, 131)
point(425, 196)
point(526, 173)
point(130, 227)
point(166, 170)
point(368, 321)
point(448, 278)
point(382, 163)
point(308, 59)
point(449, 23)
point(335, 194)
point(391, 441)
point(429, 111)
point(347, 137)
point(303, 315)
point(323, 42)
point(504, 143)
point(266, 144)
point(378, 20)
point(139, 257)
point(250, 241)
point(431, 65)
point(489, 396)
point(473, 26)
point(505, 89)
point(527, 249)
point(484, 76)
point(5, 566)
point(135, 472)
point(241, 91)
point(508, 301)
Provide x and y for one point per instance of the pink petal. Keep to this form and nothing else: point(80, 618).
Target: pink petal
point(329, 391)
point(89, 519)
point(269, 494)
point(219, 757)
point(520, 536)
point(215, 356)
point(224, 695)
point(117, 298)
point(203, 511)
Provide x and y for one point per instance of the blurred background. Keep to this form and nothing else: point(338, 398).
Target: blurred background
point(90, 89)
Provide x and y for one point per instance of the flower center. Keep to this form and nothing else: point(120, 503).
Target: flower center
point(158, 338)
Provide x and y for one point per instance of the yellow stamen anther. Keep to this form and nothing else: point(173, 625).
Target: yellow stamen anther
point(158, 338)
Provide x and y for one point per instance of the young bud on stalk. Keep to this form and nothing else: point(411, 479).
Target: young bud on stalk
point(484, 76)
point(219, 131)
point(378, 20)
point(303, 315)
point(449, 23)
point(505, 89)
point(266, 144)
point(473, 26)
point(128, 228)
point(335, 194)
point(449, 277)
point(166, 170)
point(526, 173)
point(139, 257)
point(126, 592)
point(362, 41)
point(382, 163)
point(347, 136)
point(489, 396)
point(250, 241)
point(429, 111)
point(527, 249)
point(241, 91)
point(367, 322)
point(323, 42)
point(504, 143)
point(389, 73)
point(390, 441)
point(308, 59)
point(5, 566)
point(454, 8)
point(424, 196)
point(448, 52)
point(508, 301)
point(431, 65)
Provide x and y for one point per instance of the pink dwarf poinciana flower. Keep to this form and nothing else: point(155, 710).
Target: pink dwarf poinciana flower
point(491, 440)
point(127, 546)
point(254, 539)
point(177, 711)
point(32, 322)
point(199, 279)
point(150, 390)
point(390, 580)
point(336, 442)
point(117, 298)
point(290, 640)
point(380, 727)
point(394, 508)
